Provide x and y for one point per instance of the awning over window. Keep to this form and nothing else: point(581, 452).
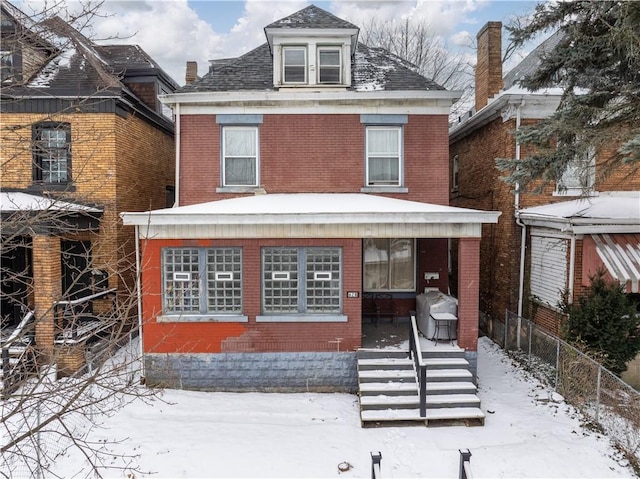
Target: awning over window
point(620, 255)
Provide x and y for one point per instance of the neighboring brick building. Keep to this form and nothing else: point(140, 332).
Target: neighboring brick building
point(311, 170)
point(83, 138)
point(557, 238)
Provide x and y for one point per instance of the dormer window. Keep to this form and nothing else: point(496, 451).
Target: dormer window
point(329, 65)
point(294, 65)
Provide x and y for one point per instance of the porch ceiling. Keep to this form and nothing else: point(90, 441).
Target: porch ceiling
point(328, 215)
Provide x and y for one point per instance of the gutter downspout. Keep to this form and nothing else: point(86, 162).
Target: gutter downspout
point(523, 236)
point(139, 293)
point(176, 202)
point(572, 268)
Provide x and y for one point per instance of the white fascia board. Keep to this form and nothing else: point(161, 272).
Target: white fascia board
point(532, 107)
point(146, 218)
point(584, 225)
point(271, 96)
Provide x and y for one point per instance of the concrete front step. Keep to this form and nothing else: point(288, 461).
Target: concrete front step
point(446, 363)
point(451, 387)
point(432, 415)
point(381, 375)
point(389, 388)
point(448, 375)
point(446, 352)
point(413, 402)
point(384, 363)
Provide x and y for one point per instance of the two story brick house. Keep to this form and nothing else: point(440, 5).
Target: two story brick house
point(310, 171)
point(547, 243)
point(84, 137)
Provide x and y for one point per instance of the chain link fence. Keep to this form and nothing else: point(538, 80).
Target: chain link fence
point(607, 401)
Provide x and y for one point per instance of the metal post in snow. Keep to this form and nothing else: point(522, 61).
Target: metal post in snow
point(375, 465)
point(598, 395)
point(506, 328)
point(530, 337)
point(465, 461)
point(557, 363)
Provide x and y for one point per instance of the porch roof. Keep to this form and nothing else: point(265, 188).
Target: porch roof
point(612, 212)
point(353, 214)
point(12, 201)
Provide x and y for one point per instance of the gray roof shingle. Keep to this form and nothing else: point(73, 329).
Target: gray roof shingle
point(311, 17)
point(532, 61)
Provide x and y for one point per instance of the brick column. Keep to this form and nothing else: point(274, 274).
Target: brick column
point(468, 292)
point(47, 287)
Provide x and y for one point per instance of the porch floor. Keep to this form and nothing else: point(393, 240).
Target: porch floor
point(388, 335)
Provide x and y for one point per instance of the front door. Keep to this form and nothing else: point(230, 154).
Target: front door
point(15, 272)
point(76, 269)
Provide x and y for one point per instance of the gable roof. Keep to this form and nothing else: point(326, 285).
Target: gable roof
point(75, 65)
point(311, 17)
point(372, 69)
point(532, 61)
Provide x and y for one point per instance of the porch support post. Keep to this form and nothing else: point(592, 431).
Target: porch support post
point(47, 287)
point(468, 292)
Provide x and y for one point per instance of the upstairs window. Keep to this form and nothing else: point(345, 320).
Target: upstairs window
point(294, 64)
point(51, 149)
point(329, 65)
point(240, 155)
point(454, 173)
point(384, 156)
point(6, 64)
point(579, 176)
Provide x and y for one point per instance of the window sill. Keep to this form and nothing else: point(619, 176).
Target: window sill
point(302, 318)
point(202, 318)
point(575, 192)
point(384, 189)
point(40, 187)
point(241, 189)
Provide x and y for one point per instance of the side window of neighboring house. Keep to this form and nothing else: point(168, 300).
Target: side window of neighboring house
point(548, 269)
point(389, 264)
point(51, 149)
point(202, 281)
point(294, 65)
point(301, 280)
point(6, 63)
point(579, 177)
point(384, 156)
point(240, 162)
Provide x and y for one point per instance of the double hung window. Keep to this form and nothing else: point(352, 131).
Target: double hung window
point(389, 264)
point(301, 280)
point(329, 65)
point(579, 175)
point(294, 65)
point(240, 155)
point(51, 153)
point(202, 280)
point(384, 155)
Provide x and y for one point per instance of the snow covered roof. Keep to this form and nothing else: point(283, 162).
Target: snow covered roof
point(609, 212)
point(18, 201)
point(312, 208)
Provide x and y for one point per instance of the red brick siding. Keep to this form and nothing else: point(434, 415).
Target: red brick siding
point(211, 337)
point(314, 154)
point(468, 307)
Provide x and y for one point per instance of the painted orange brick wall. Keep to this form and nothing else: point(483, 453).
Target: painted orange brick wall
point(315, 154)
point(468, 282)
point(210, 337)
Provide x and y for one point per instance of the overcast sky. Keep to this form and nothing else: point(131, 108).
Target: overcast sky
point(175, 31)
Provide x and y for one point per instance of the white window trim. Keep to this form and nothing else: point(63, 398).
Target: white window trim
point(340, 65)
point(304, 48)
point(224, 156)
point(455, 171)
point(400, 182)
point(581, 190)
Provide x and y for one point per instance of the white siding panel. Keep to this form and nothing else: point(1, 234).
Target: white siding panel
point(548, 268)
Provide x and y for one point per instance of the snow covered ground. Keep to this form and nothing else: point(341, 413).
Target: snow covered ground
point(252, 435)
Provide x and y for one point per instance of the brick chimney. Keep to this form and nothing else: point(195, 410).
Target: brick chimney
point(192, 72)
point(489, 64)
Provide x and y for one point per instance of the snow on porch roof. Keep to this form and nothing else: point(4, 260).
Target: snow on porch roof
point(313, 208)
point(612, 211)
point(12, 201)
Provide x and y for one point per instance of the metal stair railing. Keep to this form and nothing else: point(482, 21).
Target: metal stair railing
point(415, 351)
